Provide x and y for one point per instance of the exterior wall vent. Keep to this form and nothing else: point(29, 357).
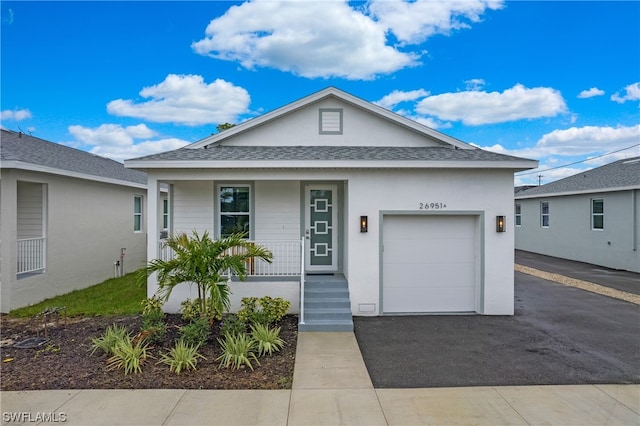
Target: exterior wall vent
point(330, 121)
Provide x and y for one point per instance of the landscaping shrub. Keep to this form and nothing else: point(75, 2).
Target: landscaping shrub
point(265, 310)
point(109, 339)
point(267, 339)
point(196, 332)
point(183, 356)
point(237, 350)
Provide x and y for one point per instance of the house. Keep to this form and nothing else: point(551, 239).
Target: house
point(591, 217)
point(66, 216)
point(366, 211)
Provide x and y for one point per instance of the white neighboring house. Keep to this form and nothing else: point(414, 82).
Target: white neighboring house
point(591, 217)
point(65, 214)
point(360, 206)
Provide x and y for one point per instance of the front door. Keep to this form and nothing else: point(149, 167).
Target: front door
point(321, 228)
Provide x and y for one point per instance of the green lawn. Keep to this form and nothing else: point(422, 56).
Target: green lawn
point(115, 296)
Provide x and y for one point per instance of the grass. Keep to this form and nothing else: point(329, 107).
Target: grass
point(115, 296)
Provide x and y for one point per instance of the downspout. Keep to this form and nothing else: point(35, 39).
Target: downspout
point(302, 260)
point(634, 236)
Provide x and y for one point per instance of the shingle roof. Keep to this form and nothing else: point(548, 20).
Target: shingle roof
point(619, 174)
point(326, 153)
point(18, 147)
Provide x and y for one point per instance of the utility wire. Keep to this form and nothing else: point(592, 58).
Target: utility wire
point(577, 162)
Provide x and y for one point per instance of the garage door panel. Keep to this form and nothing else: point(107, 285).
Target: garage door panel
point(429, 264)
point(432, 275)
point(431, 300)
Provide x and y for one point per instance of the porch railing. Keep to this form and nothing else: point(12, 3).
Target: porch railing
point(287, 258)
point(31, 255)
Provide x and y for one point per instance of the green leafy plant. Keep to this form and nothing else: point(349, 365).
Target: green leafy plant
point(183, 356)
point(154, 325)
point(232, 324)
point(151, 305)
point(109, 339)
point(196, 332)
point(267, 339)
point(190, 310)
point(265, 310)
point(129, 356)
point(205, 263)
point(237, 350)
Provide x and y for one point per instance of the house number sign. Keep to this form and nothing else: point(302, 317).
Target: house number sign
point(432, 206)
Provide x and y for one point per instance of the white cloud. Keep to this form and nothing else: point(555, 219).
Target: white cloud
point(329, 38)
point(477, 107)
point(186, 99)
point(413, 22)
point(594, 91)
point(16, 115)
point(588, 141)
point(119, 143)
point(397, 96)
point(631, 93)
point(474, 84)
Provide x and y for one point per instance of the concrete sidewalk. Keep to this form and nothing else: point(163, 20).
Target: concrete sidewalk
point(331, 386)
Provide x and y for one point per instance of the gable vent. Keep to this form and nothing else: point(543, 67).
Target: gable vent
point(330, 121)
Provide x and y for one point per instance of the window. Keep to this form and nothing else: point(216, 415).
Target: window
point(330, 121)
point(165, 214)
point(544, 214)
point(137, 213)
point(518, 214)
point(235, 210)
point(597, 213)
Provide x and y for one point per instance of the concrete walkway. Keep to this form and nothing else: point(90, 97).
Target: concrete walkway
point(331, 386)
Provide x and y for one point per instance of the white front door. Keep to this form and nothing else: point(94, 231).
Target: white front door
point(321, 228)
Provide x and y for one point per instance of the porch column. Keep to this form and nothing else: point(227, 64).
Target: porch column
point(154, 209)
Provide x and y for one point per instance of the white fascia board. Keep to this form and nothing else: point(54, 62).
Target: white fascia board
point(318, 164)
point(583, 192)
point(60, 172)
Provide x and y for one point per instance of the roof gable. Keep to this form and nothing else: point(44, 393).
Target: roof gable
point(21, 151)
point(300, 123)
point(619, 175)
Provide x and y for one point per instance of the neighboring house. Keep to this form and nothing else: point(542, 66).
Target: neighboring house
point(403, 216)
point(592, 217)
point(65, 215)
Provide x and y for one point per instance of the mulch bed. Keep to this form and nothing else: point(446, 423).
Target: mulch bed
point(65, 360)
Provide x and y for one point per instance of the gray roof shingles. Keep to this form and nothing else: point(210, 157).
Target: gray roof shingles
point(619, 174)
point(326, 153)
point(28, 149)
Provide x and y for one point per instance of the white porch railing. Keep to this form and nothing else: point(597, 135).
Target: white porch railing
point(31, 255)
point(286, 261)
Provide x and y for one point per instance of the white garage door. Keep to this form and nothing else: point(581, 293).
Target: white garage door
point(429, 264)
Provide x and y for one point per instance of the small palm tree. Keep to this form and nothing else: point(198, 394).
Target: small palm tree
point(202, 261)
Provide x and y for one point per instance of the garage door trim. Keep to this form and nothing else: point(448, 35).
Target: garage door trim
point(479, 217)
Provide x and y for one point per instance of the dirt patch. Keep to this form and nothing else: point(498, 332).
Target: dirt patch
point(64, 362)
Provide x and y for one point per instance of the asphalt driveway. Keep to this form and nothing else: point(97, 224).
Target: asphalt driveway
point(558, 335)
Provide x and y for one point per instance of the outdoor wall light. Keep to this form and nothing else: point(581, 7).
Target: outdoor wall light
point(501, 225)
point(364, 224)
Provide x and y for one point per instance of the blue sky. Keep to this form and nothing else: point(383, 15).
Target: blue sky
point(554, 81)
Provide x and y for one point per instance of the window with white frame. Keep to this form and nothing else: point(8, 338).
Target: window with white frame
point(234, 202)
point(544, 214)
point(165, 214)
point(518, 214)
point(137, 213)
point(597, 213)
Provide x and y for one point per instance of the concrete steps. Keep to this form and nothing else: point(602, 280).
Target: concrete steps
point(327, 306)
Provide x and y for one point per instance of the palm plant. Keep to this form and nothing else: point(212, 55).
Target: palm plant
point(206, 263)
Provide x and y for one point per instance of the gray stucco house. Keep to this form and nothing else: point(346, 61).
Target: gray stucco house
point(592, 217)
point(65, 215)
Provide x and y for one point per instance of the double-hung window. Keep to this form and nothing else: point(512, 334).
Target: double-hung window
point(165, 214)
point(518, 214)
point(234, 203)
point(137, 213)
point(544, 214)
point(597, 213)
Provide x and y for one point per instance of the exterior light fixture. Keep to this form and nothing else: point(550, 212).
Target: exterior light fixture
point(364, 224)
point(501, 224)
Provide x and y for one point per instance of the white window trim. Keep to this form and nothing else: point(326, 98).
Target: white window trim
point(165, 214)
point(596, 214)
point(219, 212)
point(140, 213)
point(542, 215)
